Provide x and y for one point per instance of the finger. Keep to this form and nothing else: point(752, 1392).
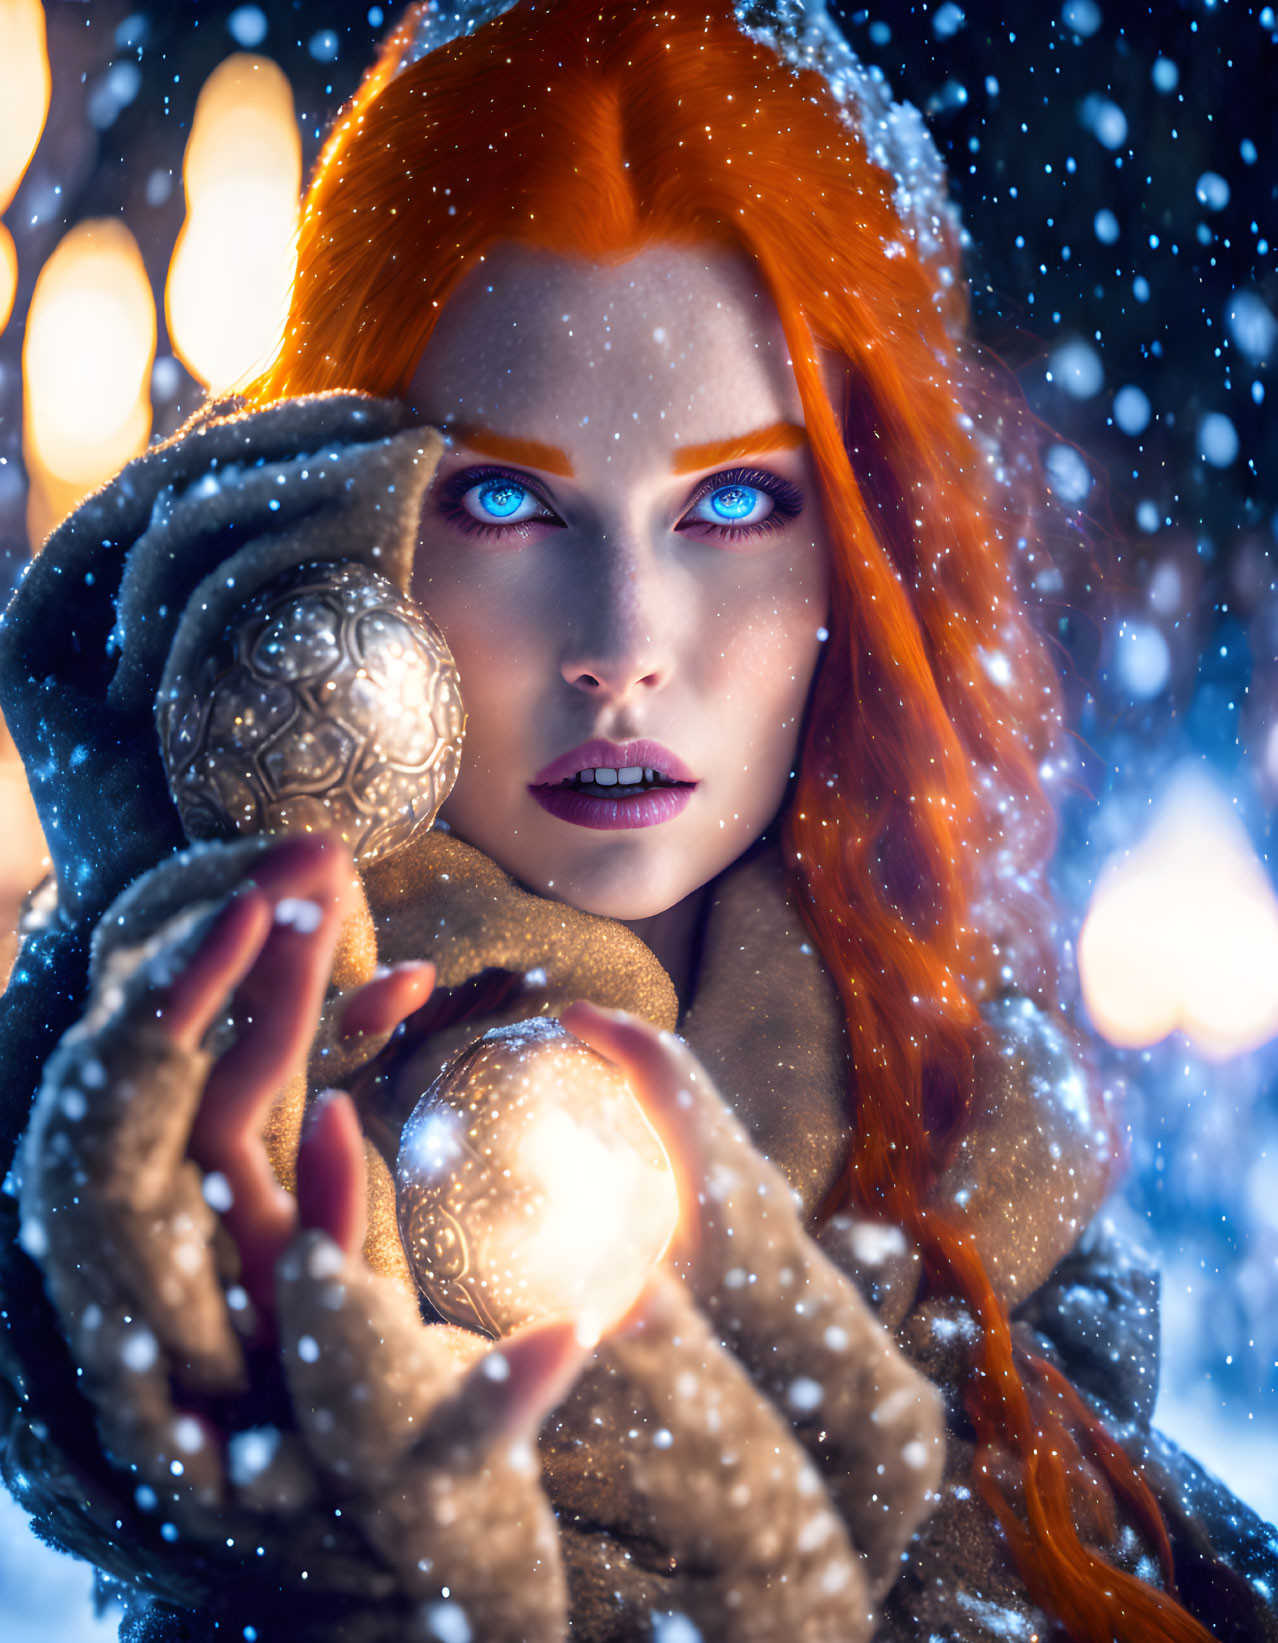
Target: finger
point(477, 1467)
point(671, 1088)
point(363, 1370)
point(799, 1325)
point(373, 1386)
point(658, 1064)
point(437, 1463)
point(356, 1349)
point(124, 1243)
point(225, 953)
point(510, 1391)
point(332, 1188)
point(739, 1228)
point(389, 1409)
point(257, 1212)
point(312, 864)
point(379, 1006)
point(306, 883)
point(753, 1256)
point(687, 1454)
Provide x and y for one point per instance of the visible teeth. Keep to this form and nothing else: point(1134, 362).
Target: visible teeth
point(632, 776)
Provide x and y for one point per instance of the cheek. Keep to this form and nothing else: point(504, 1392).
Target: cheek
point(767, 652)
point(488, 620)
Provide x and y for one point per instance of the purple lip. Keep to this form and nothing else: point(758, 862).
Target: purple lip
point(642, 810)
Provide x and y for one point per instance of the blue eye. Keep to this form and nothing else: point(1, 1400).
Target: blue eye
point(503, 502)
point(733, 505)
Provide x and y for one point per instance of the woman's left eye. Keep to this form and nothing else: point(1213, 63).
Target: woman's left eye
point(742, 504)
point(733, 505)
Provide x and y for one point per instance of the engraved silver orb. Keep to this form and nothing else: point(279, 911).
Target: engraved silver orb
point(330, 702)
point(530, 1184)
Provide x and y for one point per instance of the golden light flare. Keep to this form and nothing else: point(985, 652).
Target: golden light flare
point(86, 368)
point(24, 90)
point(24, 859)
point(8, 275)
point(232, 269)
point(1182, 933)
point(531, 1185)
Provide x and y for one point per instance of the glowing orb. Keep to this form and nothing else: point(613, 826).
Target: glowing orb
point(531, 1185)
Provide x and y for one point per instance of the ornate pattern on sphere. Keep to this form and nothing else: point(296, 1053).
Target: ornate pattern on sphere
point(330, 702)
point(530, 1184)
point(805, 36)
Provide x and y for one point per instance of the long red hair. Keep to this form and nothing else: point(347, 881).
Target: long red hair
point(918, 831)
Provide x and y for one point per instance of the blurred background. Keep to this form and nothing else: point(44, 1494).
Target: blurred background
point(1115, 166)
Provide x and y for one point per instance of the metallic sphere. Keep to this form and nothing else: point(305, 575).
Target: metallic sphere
point(330, 702)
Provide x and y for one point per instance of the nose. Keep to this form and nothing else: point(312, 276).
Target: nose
point(619, 639)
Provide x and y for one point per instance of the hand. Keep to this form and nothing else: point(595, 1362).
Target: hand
point(253, 1382)
point(805, 1376)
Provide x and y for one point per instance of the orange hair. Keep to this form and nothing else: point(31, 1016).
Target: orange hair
point(918, 830)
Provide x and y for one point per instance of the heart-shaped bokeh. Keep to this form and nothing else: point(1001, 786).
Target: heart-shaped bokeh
point(1182, 932)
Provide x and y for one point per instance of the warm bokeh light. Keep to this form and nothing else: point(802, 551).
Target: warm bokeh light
point(8, 274)
point(235, 258)
point(1183, 932)
point(24, 89)
point(24, 859)
point(86, 368)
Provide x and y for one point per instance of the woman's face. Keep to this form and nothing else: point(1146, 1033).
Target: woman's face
point(625, 549)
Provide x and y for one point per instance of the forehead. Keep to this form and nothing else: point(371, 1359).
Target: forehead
point(610, 361)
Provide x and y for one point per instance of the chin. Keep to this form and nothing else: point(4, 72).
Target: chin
point(626, 903)
point(620, 882)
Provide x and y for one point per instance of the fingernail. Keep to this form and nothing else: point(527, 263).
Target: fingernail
point(592, 1008)
point(297, 913)
point(317, 1107)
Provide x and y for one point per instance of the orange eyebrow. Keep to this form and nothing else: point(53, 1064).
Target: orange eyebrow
point(528, 453)
point(780, 436)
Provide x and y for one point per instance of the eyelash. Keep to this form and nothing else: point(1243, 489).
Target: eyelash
point(787, 503)
point(450, 497)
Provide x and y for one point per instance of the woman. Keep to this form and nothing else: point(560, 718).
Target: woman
point(725, 503)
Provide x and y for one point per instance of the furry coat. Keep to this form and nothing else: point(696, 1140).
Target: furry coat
point(158, 559)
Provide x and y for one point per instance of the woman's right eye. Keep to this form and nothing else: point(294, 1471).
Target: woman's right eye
point(491, 503)
point(502, 502)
